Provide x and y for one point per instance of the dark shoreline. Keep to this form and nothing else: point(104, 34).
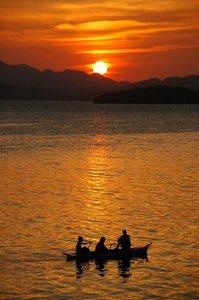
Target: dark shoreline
point(151, 95)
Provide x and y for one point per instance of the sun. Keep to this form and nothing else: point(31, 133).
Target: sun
point(100, 67)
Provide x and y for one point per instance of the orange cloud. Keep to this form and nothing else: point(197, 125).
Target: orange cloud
point(141, 50)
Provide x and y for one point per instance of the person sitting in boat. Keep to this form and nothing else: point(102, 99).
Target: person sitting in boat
point(79, 248)
point(124, 241)
point(100, 247)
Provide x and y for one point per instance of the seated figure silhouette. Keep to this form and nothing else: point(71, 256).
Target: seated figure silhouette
point(124, 241)
point(79, 248)
point(100, 247)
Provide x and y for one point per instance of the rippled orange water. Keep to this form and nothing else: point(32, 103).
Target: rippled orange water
point(83, 169)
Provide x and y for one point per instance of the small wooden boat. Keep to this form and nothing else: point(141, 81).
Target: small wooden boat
point(111, 254)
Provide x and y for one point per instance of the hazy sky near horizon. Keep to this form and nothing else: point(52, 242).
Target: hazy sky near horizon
point(138, 39)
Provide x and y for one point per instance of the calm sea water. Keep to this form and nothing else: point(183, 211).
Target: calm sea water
point(70, 169)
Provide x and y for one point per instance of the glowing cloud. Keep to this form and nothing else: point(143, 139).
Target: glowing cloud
point(58, 35)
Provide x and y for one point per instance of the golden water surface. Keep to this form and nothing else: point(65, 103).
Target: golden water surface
point(69, 170)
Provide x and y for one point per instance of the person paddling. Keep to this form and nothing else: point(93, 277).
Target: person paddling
point(124, 241)
point(79, 249)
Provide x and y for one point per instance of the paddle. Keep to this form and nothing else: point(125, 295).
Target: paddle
point(110, 245)
point(82, 243)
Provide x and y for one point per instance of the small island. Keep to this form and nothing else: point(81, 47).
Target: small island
point(158, 94)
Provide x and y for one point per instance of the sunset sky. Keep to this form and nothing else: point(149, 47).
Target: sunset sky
point(138, 39)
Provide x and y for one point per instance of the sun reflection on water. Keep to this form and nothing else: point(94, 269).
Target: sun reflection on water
point(55, 187)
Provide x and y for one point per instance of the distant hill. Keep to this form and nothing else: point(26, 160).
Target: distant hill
point(69, 84)
point(152, 95)
point(189, 82)
point(27, 83)
point(8, 92)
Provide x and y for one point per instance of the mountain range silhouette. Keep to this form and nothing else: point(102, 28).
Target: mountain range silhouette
point(22, 82)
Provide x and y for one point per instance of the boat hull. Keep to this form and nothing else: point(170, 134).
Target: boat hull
point(111, 254)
